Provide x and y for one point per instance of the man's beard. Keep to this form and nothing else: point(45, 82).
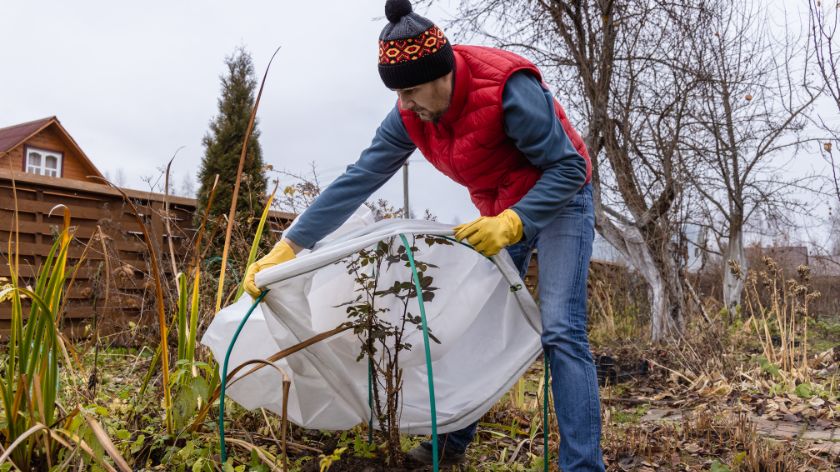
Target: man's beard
point(426, 115)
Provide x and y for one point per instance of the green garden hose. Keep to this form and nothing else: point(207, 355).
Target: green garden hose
point(419, 291)
point(224, 376)
point(545, 411)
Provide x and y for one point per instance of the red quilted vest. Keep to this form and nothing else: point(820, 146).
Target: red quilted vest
point(468, 143)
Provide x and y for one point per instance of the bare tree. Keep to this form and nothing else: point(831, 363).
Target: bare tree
point(187, 186)
point(119, 177)
point(834, 232)
point(823, 22)
point(300, 193)
point(749, 113)
point(622, 68)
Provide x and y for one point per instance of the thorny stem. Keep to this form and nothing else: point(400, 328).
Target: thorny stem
point(386, 372)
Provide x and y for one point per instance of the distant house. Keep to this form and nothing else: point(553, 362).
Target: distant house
point(787, 257)
point(42, 166)
point(44, 147)
point(605, 253)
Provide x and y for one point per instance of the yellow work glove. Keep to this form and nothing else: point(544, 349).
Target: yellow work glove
point(490, 234)
point(281, 253)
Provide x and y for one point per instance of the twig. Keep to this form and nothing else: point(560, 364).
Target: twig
point(697, 300)
point(263, 362)
point(672, 371)
point(253, 448)
point(297, 447)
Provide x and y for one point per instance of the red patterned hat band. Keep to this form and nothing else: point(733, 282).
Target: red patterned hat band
point(397, 51)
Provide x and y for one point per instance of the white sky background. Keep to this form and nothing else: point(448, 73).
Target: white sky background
point(134, 82)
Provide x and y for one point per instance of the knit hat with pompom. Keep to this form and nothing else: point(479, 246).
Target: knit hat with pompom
point(412, 50)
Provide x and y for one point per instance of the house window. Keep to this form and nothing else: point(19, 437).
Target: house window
point(43, 162)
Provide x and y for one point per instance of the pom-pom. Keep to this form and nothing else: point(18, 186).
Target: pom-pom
point(396, 9)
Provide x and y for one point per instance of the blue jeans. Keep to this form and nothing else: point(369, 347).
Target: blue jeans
point(564, 248)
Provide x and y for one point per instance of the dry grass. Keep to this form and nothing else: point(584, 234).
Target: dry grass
point(695, 442)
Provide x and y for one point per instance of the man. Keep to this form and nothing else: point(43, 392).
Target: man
point(482, 117)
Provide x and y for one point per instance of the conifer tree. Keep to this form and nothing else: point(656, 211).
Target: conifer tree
point(222, 148)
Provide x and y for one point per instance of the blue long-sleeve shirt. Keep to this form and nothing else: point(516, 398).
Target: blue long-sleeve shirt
point(530, 121)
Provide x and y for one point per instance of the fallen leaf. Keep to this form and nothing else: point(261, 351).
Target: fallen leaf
point(692, 448)
point(675, 459)
point(816, 402)
point(796, 409)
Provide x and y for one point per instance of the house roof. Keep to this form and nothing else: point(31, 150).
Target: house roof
point(12, 136)
point(15, 135)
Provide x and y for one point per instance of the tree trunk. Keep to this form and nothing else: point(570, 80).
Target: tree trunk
point(667, 300)
point(735, 267)
point(658, 268)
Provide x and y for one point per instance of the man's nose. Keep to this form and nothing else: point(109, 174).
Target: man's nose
point(406, 104)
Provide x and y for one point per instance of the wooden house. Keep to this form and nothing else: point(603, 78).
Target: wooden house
point(42, 166)
point(44, 147)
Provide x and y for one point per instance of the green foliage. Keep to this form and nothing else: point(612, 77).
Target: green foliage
point(255, 465)
point(768, 367)
point(718, 466)
point(29, 383)
point(328, 460)
point(408, 443)
point(517, 394)
point(194, 456)
point(739, 459)
point(79, 427)
point(804, 390)
point(630, 416)
point(362, 448)
point(192, 390)
point(824, 334)
point(381, 341)
point(223, 147)
point(191, 381)
point(255, 244)
point(366, 266)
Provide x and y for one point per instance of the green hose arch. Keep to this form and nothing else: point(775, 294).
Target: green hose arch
point(419, 290)
point(224, 376)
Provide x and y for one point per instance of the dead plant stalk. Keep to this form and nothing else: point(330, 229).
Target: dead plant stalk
point(235, 197)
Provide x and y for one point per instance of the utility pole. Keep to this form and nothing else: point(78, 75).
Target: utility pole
point(406, 213)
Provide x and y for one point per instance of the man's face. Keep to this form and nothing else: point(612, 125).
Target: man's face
point(430, 100)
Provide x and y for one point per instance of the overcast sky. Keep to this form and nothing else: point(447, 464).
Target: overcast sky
point(133, 82)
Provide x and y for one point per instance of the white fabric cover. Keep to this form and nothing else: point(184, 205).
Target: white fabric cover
point(488, 333)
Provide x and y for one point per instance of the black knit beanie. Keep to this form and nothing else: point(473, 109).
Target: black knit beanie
point(412, 50)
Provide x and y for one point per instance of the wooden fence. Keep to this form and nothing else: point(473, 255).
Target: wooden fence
point(95, 208)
